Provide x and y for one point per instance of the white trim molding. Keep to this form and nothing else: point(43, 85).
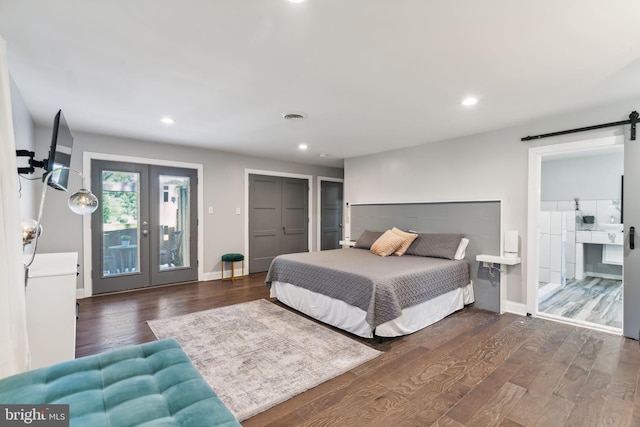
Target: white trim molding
point(515, 308)
point(535, 174)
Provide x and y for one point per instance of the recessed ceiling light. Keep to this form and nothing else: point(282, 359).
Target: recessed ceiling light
point(469, 101)
point(302, 146)
point(323, 155)
point(296, 1)
point(167, 120)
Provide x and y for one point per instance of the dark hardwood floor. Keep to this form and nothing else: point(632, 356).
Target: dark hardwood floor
point(473, 368)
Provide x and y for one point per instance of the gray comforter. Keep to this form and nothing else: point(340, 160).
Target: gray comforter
point(381, 286)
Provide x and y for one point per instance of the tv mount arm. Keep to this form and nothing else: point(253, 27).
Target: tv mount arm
point(33, 163)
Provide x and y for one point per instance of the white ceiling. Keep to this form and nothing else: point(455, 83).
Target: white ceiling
point(372, 75)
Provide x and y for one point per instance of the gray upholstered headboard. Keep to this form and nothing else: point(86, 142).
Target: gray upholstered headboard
point(479, 221)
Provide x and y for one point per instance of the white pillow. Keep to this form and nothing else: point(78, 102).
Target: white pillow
point(462, 248)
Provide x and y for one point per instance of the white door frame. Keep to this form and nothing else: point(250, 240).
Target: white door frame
point(321, 179)
point(86, 219)
point(535, 165)
point(248, 172)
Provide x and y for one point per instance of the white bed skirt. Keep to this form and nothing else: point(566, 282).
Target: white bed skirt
point(352, 319)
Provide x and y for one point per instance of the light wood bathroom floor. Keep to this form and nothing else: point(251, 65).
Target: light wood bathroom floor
point(592, 300)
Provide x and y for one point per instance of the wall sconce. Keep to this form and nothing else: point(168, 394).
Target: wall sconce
point(81, 202)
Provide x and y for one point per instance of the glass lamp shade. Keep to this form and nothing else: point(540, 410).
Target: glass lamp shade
point(30, 230)
point(83, 202)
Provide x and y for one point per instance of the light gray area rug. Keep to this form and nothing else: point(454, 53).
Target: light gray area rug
point(257, 354)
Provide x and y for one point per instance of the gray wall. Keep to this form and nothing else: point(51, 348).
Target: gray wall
point(589, 178)
point(492, 165)
point(223, 184)
point(24, 130)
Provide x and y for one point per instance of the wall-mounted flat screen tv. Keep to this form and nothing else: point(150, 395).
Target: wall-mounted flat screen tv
point(59, 153)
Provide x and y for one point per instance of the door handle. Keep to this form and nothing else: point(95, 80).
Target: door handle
point(632, 237)
point(145, 232)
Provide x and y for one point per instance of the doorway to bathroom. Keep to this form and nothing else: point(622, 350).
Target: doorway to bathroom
point(579, 235)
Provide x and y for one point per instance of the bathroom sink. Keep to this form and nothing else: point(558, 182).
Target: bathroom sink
point(611, 228)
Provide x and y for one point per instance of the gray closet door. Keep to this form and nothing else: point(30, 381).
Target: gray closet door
point(264, 221)
point(295, 217)
point(330, 215)
point(278, 219)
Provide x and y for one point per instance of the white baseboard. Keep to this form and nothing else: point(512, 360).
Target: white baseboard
point(211, 276)
point(217, 275)
point(515, 308)
point(603, 275)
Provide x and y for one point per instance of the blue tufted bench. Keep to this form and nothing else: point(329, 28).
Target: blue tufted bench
point(148, 384)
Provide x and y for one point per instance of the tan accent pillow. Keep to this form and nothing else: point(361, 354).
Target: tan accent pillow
point(387, 244)
point(408, 240)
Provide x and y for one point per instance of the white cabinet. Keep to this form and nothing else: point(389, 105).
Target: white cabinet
point(612, 248)
point(612, 254)
point(51, 308)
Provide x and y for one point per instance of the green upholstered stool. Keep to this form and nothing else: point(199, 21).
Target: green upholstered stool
point(232, 258)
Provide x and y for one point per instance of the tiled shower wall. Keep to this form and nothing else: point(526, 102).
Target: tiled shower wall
point(557, 226)
point(557, 246)
point(603, 210)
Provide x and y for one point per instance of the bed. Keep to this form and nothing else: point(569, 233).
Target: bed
point(370, 295)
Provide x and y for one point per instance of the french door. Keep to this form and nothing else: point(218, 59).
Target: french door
point(145, 231)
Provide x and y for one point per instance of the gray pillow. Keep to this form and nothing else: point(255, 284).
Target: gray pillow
point(435, 245)
point(367, 238)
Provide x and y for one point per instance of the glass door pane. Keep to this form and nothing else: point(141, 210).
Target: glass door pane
point(120, 222)
point(174, 218)
point(120, 234)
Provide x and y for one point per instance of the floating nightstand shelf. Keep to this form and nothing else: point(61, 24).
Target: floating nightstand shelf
point(489, 261)
point(347, 243)
point(494, 259)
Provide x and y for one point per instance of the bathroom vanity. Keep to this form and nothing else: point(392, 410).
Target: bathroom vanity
point(610, 237)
